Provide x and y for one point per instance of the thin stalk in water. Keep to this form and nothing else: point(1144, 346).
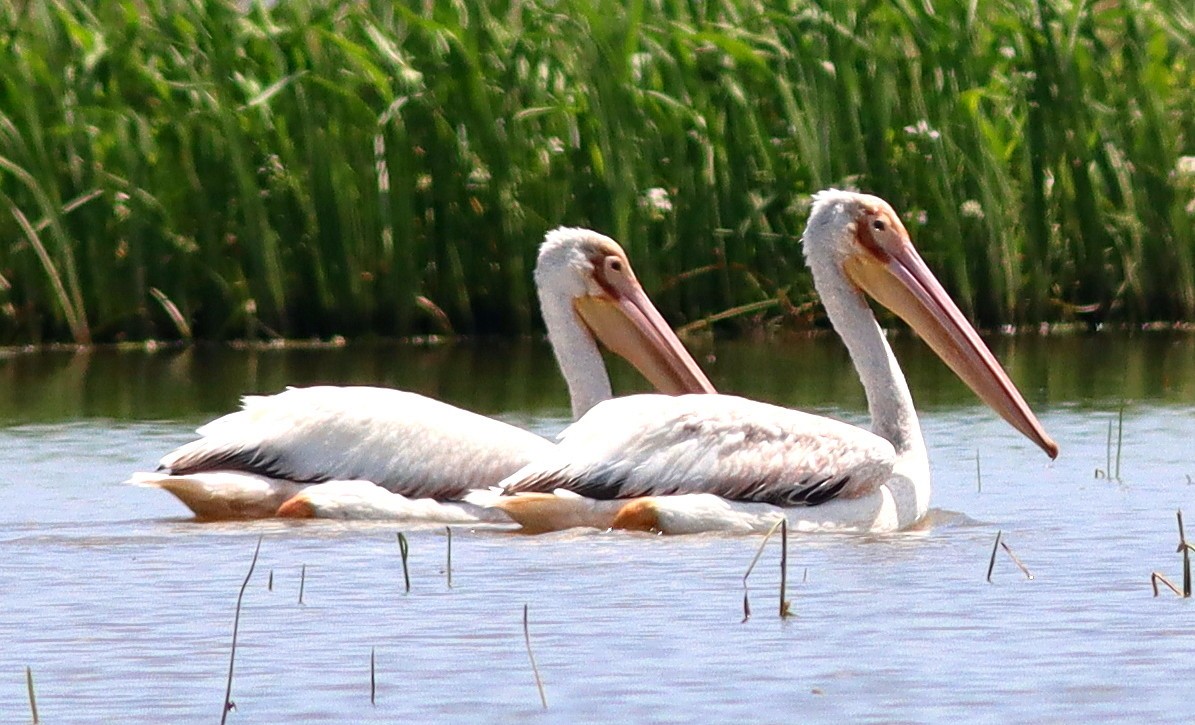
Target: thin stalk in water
point(978, 474)
point(404, 550)
point(1024, 569)
point(32, 698)
point(754, 560)
point(236, 625)
point(539, 683)
point(992, 561)
point(1119, 438)
point(785, 612)
point(1156, 577)
point(1185, 548)
point(1108, 453)
point(1112, 471)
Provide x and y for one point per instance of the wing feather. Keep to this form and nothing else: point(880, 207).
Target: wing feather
point(404, 442)
point(739, 449)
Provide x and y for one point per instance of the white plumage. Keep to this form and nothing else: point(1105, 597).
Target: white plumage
point(365, 501)
point(399, 440)
point(247, 463)
point(648, 445)
point(698, 463)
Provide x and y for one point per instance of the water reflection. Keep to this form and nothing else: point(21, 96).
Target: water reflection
point(1084, 370)
point(495, 376)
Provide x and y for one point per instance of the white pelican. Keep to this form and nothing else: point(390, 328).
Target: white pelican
point(250, 462)
point(717, 462)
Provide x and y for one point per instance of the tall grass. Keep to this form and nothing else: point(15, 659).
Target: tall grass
point(360, 166)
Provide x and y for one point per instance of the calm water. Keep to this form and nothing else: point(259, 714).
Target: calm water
point(124, 608)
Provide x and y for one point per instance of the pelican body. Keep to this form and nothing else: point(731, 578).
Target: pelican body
point(716, 462)
point(318, 451)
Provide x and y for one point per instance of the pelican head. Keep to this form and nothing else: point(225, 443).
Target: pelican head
point(859, 241)
point(587, 289)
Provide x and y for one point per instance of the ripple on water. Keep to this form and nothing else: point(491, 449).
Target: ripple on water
point(123, 607)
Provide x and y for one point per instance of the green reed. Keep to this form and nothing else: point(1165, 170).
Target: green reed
point(223, 169)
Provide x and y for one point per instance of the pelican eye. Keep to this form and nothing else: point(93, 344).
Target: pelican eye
point(616, 265)
point(879, 225)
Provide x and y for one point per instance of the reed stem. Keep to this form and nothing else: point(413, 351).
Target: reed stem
point(1185, 548)
point(32, 697)
point(992, 561)
point(754, 560)
point(1156, 577)
point(978, 474)
point(539, 684)
point(1108, 453)
point(448, 566)
point(1024, 569)
point(1120, 437)
point(785, 610)
point(236, 625)
point(404, 550)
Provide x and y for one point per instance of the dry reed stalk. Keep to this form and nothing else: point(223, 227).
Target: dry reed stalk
point(32, 698)
point(1185, 548)
point(785, 611)
point(236, 625)
point(539, 684)
point(754, 561)
point(1108, 453)
point(1111, 469)
point(1015, 560)
point(448, 529)
point(1155, 577)
point(404, 551)
point(992, 561)
point(1119, 438)
point(978, 474)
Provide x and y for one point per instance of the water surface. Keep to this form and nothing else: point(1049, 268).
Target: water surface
point(123, 606)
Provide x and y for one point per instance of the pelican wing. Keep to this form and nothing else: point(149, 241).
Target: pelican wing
point(404, 442)
point(741, 450)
